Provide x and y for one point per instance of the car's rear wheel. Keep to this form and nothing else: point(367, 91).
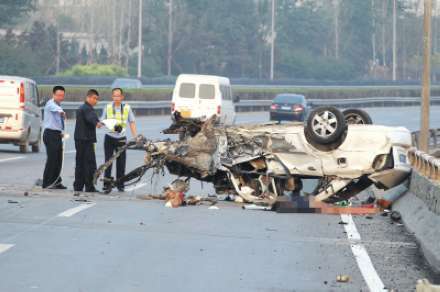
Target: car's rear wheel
point(25, 144)
point(325, 127)
point(357, 117)
point(36, 145)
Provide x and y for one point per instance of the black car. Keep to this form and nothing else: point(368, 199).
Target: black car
point(288, 107)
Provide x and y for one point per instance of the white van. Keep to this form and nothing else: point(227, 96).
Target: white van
point(20, 114)
point(202, 96)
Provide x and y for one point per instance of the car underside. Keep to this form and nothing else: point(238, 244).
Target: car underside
point(265, 161)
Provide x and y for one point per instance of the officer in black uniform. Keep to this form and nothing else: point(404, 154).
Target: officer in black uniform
point(85, 138)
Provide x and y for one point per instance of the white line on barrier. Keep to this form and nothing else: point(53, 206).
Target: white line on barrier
point(363, 260)
point(5, 247)
point(11, 159)
point(135, 187)
point(73, 211)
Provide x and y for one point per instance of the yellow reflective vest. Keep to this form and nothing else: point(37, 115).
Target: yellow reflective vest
point(112, 114)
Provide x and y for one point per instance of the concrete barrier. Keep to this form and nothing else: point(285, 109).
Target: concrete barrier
point(420, 210)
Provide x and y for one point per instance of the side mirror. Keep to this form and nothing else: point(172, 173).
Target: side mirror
point(236, 99)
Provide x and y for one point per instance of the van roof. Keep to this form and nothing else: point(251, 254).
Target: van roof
point(15, 78)
point(208, 78)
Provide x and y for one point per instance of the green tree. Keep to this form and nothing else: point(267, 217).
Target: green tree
point(12, 10)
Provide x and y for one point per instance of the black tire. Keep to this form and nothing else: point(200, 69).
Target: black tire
point(24, 147)
point(325, 127)
point(357, 117)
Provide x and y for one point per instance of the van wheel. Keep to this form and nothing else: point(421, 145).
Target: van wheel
point(24, 147)
point(325, 128)
point(36, 145)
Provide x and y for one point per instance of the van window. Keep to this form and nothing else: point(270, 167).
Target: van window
point(226, 92)
point(187, 90)
point(206, 91)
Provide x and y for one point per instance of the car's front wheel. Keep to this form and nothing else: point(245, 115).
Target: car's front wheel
point(326, 127)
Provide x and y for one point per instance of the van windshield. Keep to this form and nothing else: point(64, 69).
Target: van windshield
point(207, 91)
point(187, 90)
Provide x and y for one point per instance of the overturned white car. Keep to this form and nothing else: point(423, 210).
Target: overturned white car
point(261, 162)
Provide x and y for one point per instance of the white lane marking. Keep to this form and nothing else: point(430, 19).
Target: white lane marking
point(70, 152)
point(363, 260)
point(5, 247)
point(73, 211)
point(135, 187)
point(11, 159)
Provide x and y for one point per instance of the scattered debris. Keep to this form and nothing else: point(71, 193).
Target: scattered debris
point(369, 217)
point(12, 202)
point(342, 223)
point(256, 207)
point(343, 278)
point(396, 217)
point(26, 194)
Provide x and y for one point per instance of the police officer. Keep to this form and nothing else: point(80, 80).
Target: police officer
point(116, 137)
point(85, 138)
point(53, 125)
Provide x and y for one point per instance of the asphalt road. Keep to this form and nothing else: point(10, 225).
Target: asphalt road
point(50, 242)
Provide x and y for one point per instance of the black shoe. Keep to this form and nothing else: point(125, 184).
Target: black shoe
point(121, 190)
point(94, 190)
point(57, 187)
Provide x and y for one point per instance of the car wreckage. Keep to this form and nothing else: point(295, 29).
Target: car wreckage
point(342, 150)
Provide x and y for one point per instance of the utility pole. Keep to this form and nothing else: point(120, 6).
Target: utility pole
point(336, 26)
point(139, 71)
point(129, 33)
point(58, 53)
point(121, 31)
point(170, 36)
point(424, 126)
point(272, 42)
point(394, 39)
point(384, 19)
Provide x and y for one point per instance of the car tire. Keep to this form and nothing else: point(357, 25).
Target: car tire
point(325, 127)
point(357, 117)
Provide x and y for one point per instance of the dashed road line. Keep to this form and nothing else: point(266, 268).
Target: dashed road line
point(11, 159)
point(5, 247)
point(360, 253)
point(75, 210)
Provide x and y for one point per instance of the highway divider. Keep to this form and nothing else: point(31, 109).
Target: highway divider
point(146, 108)
point(420, 206)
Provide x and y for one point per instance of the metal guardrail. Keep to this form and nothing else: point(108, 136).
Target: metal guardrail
point(164, 107)
point(434, 138)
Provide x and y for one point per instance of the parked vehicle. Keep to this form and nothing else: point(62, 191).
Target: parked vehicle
point(126, 83)
point(261, 162)
point(20, 114)
point(202, 96)
point(289, 107)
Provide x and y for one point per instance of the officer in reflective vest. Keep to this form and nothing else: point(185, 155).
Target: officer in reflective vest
point(116, 137)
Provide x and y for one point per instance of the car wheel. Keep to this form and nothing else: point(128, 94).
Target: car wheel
point(357, 117)
point(325, 126)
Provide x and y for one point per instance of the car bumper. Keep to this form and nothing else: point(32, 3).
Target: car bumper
point(286, 116)
point(11, 136)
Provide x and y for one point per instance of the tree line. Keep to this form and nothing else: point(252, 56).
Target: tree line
point(314, 39)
